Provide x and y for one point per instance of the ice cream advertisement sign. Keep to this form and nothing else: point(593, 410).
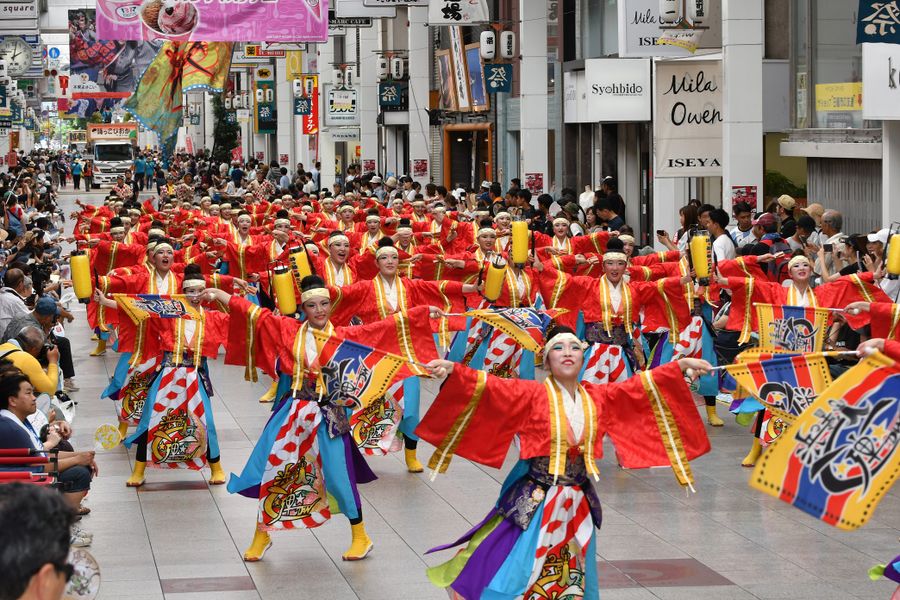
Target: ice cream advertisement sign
point(213, 20)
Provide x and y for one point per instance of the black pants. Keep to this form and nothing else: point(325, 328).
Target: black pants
point(88, 182)
point(76, 181)
point(139, 178)
point(65, 357)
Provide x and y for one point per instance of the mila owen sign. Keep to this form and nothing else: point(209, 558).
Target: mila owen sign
point(688, 123)
point(881, 82)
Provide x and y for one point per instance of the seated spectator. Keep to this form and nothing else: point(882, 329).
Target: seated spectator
point(34, 543)
point(17, 403)
point(45, 314)
point(23, 350)
point(12, 296)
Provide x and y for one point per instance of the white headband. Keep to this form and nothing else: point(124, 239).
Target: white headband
point(562, 337)
point(559, 220)
point(193, 283)
point(318, 292)
point(160, 246)
point(282, 222)
point(627, 239)
point(386, 250)
point(501, 215)
point(485, 231)
point(797, 260)
point(612, 256)
point(404, 230)
point(373, 218)
point(117, 230)
point(338, 238)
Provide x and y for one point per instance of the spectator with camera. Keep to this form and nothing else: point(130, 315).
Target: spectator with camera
point(23, 350)
point(13, 295)
point(45, 315)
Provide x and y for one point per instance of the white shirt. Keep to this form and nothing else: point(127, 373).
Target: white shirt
point(11, 306)
point(723, 248)
point(390, 292)
point(615, 295)
point(742, 238)
point(312, 352)
point(38, 445)
point(574, 408)
point(162, 284)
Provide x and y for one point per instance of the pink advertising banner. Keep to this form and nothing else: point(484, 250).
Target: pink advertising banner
point(213, 20)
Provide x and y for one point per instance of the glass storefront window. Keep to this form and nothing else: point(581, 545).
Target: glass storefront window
point(599, 28)
point(827, 65)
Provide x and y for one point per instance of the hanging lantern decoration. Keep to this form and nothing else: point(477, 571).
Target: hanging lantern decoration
point(270, 95)
point(228, 103)
point(519, 243)
point(338, 77)
point(382, 68)
point(80, 267)
point(669, 11)
point(348, 77)
point(697, 10)
point(493, 282)
point(283, 284)
point(297, 87)
point(260, 95)
point(700, 246)
point(507, 45)
point(488, 45)
point(397, 70)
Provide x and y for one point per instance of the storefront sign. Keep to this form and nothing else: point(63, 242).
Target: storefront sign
point(839, 105)
point(499, 78)
point(341, 107)
point(222, 21)
point(77, 136)
point(16, 9)
point(881, 81)
point(110, 131)
point(302, 105)
point(460, 73)
point(357, 8)
point(345, 134)
point(390, 93)
point(256, 51)
point(639, 30)
point(265, 117)
point(688, 123)
point(335, 21)
point(616, 89)
point(878, 21)
point(457, 12)
point(311, 121)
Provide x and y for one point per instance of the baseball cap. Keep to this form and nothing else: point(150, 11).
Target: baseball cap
point(786, 202)
point(880, 236)
point(486, 184)
point(46, 306)
point(765, 220)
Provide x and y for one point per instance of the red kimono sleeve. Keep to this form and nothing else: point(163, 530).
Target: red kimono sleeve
point(574, 293)
point(851, 288)
point(885, 320)
point(255, 338)
point(743, 266)
point(476, 415)
point(652, 420)
point(744, 294)
point(594, 242)
point(892, 349)
point(350, 301)
point(446, 295)
point(664, 304)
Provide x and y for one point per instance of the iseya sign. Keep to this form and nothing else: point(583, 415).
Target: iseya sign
point(881, 81)
point(688, 123)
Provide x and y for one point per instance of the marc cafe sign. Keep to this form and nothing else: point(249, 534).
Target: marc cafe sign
point(881, 81)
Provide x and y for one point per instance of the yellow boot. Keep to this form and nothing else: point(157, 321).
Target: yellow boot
point(753, 455)
point(361, 544)
point(261, 542)
point(100, 350)
point(217, 475)
point(412, 463)
point(712, 418)
point(269, 396)
point(137, 474)
point(123, 429)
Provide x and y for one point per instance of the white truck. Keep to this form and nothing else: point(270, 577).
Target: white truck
point(112, 147)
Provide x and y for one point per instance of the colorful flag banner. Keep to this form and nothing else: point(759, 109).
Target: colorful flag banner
point(791, 328)
point(140, 307)
point(179, 67)
point(525, 325)
point(786, 386)
point(841, 456)
point(350, 374)
point(222, 21)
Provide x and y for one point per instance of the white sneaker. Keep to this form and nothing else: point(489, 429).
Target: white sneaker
point(77, 540)
point(69, 385)
point(78, 531)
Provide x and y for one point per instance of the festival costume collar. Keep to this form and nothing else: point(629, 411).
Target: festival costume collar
point(560, 429)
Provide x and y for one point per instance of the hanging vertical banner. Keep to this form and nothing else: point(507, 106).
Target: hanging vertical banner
point(477, 85)
point(265, 119)
point(446, 80)
point(311, 120)
point(222, 21)
point(688, 123)
point(499, 78)
point(460, 72)
point(878, 21)
point(293, 65)
point(457, 12)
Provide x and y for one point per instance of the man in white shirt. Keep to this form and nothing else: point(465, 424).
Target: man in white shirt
point(724, 247)
point(12, 297)
point(742, 233)
point(832, 223)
